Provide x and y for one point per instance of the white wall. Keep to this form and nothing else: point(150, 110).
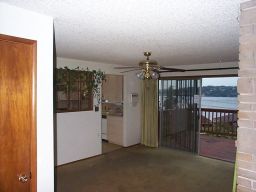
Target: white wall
point(79, 133)
point(22, 23)
point(132, 130)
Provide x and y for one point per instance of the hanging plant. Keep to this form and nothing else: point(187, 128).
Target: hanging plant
point(62, 79)
point(93, 82)
point(89, 80)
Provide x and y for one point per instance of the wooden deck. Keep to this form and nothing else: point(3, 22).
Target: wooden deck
point(217, 148)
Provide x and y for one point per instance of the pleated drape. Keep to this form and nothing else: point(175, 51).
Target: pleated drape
point(149, 113)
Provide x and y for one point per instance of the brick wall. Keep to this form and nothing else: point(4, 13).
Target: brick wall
point(246, 142)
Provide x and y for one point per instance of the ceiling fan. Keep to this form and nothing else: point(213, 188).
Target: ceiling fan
point(149, 69)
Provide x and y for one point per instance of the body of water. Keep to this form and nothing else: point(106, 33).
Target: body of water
point(219, 102)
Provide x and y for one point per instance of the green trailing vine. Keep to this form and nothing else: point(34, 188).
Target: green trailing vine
point(89, 80)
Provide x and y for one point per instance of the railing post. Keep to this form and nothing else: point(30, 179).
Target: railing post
point(219, 122)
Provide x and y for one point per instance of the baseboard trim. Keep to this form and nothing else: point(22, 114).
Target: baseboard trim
point(56, 166)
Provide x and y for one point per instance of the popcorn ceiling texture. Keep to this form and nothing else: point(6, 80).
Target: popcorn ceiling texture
point(110, 31)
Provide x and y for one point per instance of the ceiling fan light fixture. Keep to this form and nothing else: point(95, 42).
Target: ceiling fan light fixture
point(148, 66)
point(143, 74)
point(154, 75)
point(147, 75)
point(140, 75)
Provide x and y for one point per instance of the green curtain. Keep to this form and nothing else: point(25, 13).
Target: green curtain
point(235, 178)
point(149, 113)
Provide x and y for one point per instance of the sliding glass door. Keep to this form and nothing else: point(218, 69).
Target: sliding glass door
point(179, 104)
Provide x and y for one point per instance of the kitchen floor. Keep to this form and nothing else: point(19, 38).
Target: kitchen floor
point(109, 147)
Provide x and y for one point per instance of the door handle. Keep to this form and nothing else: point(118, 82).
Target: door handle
point(23, 178)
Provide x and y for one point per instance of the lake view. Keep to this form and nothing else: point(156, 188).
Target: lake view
point(219, 102)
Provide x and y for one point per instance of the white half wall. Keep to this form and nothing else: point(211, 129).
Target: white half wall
point(26, 24)
point(78, 136)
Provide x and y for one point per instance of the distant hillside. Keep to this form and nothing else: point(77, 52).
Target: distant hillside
point(219, 91)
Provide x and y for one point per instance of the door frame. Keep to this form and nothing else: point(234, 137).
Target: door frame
point(33, 139)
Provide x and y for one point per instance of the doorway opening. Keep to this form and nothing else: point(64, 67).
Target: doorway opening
point(218, 118)
point(105, 144)
point(112, 113)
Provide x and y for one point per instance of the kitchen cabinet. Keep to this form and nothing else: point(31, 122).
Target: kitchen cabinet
point(112, 88)
point(115, 129)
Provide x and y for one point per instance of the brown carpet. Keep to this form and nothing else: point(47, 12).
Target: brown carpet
point(139, 169)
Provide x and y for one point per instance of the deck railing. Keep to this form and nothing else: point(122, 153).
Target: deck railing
point(219, 122)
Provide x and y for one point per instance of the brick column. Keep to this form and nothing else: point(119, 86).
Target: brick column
point(246, 141)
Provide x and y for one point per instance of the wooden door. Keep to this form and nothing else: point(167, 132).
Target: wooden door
point(17, 115)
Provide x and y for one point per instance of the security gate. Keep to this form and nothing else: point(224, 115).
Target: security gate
point(179, 103)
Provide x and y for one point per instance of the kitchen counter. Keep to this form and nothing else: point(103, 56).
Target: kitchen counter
point(112, 109)
point(116, 114)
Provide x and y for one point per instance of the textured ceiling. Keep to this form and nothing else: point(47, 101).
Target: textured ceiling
point(176, 31)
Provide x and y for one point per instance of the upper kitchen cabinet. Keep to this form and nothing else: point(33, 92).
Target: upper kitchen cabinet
point(112, 88)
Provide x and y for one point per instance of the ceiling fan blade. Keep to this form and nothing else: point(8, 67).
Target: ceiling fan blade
point(172, 69)
point(126, 67)
point(130, 70)
point(211, 69)
point(203, 69)
point(166, 71)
